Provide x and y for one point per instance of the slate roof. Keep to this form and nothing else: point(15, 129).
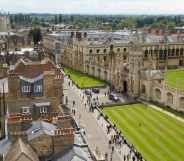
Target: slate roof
point(32, 69)
point(5, 82)
point(74, 154)
point(4, 146)
point(39, 128)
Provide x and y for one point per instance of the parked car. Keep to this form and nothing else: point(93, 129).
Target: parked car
point(95, 90)
point(87, 91)
point(113, 97)
point(17, 49)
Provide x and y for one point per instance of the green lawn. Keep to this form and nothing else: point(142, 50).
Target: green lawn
point(175, 78)
point(83, 80)
point(157, 136)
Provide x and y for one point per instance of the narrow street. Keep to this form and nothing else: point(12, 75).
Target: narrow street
point(95, 135)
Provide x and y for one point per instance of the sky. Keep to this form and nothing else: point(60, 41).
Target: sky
point(94, 6)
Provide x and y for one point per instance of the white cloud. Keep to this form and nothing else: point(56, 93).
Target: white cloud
point(95, 6)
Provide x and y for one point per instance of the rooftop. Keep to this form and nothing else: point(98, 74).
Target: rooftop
point(32, 69)
point(40, 127)
point(20, 148)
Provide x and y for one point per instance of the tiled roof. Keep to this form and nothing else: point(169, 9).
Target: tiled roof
point(75, 154)
point(31, 70)
point(20, 148)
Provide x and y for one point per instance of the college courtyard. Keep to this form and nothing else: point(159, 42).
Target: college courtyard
point(175, 78)
point(155, 134)
point(83, 80)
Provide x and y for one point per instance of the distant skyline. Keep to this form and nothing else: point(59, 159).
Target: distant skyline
point(94, 6)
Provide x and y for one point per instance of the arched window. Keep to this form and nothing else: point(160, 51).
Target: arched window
point(143, 89)
point(181, 103)
point(105, 50)
point(177, 52)
point(124, 57)
point(169, 52)
point(169, 98)
point(158, 94)
point(146, 53)
point(105, 58)
point(181, 51)
point(173, 52)
point(161, 54)
point(111, 47)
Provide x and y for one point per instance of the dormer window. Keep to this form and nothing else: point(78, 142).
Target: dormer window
point(111, 47)
point(32, 86)
point(26, 88)
point(26, 110)
point(38, 88)
point(43, 109)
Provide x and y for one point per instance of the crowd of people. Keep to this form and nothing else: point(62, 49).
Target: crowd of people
point(118, 140)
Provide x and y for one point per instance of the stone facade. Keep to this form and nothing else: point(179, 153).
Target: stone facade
point(120, 60)
point(4, 23)
point(146, 73)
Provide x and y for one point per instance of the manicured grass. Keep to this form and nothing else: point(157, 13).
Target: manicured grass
point(175, 78)
point(157, 136)
point(83, 80)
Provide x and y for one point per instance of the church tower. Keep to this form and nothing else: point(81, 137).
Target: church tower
point(135, 66)
point(4, 22)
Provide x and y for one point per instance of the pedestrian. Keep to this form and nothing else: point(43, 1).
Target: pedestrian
point(66, 100)
point(124, 158)
point(110, 143)
point(112, 149)
point(106, 156)
point(73, 103)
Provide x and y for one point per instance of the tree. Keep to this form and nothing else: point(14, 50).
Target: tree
point(60, 18)
point(128, 23)
point(36, 35)
point(56, 19)
point(35, 21)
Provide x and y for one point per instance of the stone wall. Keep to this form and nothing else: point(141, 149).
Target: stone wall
point(63, 142)
point(43, 145)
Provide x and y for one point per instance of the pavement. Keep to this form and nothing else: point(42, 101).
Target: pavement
point(95, 135)
point(93, 125)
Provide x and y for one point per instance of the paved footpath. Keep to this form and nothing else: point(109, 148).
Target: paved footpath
point(164, 111)
point(95, 135)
